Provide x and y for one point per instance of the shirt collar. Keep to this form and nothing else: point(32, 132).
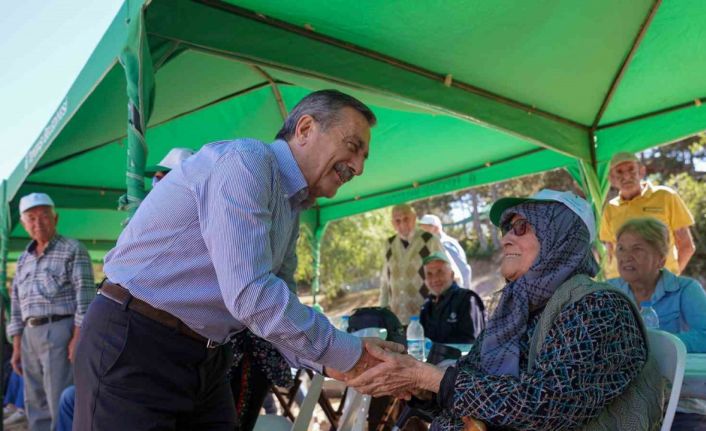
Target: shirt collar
point(32, 246)
point(295, 185)
point(446, 293)
point(667, 282)
point(646, 189)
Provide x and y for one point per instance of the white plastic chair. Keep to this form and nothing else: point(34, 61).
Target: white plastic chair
point(670, 353)
point(355, 409)
point(301, 423)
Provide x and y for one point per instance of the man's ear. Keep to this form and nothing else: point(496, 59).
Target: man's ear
point(305, 126)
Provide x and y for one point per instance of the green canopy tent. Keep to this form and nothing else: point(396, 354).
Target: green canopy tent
point(466, 92)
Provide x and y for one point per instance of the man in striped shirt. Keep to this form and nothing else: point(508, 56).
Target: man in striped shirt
point(210, 252)
point(52, 288)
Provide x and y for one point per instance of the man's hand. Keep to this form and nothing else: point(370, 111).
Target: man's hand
point(16, 360)
point(72, 343)
point(396, 374)
point(367, 360)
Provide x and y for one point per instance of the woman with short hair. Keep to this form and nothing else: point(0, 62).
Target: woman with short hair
point(680, 302)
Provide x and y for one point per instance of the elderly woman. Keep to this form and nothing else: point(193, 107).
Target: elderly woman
point(680, 302)
point(560, 351)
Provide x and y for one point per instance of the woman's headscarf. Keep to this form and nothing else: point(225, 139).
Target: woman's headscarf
point(565, 250)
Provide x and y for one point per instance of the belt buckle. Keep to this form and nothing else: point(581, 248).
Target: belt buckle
point(210, 344)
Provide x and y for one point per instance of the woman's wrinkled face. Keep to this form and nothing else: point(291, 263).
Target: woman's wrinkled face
point(637, 259)
point(520, 248)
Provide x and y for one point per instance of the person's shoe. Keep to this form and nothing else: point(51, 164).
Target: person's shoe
point(8, 410)
point(15, 418)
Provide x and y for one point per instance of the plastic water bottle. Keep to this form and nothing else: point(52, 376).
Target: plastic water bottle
point(649, 315)
point(415, 339)
point(344, 323)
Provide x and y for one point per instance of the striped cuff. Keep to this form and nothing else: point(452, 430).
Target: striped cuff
point(343, 353)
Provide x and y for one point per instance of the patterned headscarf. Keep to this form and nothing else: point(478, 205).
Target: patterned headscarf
point(565, 250)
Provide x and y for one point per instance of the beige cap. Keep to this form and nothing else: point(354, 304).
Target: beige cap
point(623, 157)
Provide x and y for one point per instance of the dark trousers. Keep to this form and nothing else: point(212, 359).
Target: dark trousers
point(133, 373)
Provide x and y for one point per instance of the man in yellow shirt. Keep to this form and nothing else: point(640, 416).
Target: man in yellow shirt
point(637, 198)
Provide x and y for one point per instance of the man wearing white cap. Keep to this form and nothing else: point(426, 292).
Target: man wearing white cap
point(173, 159)
point(432, 224)
point(52, 288)
point(637, 198)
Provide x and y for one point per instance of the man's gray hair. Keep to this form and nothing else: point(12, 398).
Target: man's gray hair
point(324, 106)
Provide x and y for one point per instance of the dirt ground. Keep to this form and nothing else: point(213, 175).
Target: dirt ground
point(486, 282)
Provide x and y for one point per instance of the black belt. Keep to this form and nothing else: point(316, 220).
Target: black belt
point(39, 321)
point(119, 294)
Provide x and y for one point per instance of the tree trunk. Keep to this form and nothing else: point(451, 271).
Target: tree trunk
point(494, 232)
point(476, 222)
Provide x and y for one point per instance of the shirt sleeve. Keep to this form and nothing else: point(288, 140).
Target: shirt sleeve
point(679, 216)
point(693, 312)
point(289, 265)
point(458, 256)
point(16, 325)
point(580, 368)
point(82, 279)
point(236, 224)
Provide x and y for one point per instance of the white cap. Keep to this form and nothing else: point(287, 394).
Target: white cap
point(576, 204)
point(430, 219)
point(34, 200)
point(173, 159)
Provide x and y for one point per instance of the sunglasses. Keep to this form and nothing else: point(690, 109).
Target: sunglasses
point(519, 227)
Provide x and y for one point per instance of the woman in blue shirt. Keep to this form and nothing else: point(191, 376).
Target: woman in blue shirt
point(680, 302)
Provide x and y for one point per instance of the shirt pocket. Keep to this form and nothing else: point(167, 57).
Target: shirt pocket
point(22, 285)
point(52, 281)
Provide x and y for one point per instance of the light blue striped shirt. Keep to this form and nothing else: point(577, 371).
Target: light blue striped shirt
point(214, 245)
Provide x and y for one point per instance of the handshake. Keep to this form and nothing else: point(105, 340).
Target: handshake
point(384, 369)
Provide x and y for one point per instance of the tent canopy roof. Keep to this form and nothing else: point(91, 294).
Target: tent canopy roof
point(466, 92)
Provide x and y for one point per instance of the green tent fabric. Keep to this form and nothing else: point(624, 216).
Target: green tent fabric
point(467, 93)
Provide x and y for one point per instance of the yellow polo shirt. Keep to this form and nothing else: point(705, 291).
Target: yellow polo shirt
point(659, 202)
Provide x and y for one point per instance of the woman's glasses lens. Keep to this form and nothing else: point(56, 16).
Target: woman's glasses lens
point(519, 227)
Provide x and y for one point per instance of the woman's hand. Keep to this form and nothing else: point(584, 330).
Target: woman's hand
point(397, 374)
point(366, 360)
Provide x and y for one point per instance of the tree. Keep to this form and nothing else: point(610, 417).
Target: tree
point(352, 251)
point(693, 192)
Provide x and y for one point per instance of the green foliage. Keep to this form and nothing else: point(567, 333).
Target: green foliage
point(304, 274)
point(352, 250)
point(693, 192)
point(474, 249)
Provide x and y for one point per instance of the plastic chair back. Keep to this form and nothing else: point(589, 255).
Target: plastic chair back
point(301, 423)
point(670, 353)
